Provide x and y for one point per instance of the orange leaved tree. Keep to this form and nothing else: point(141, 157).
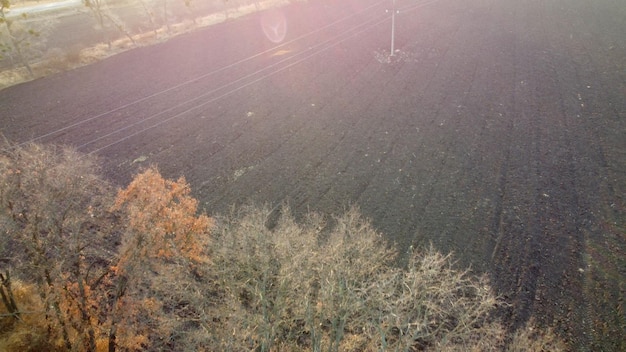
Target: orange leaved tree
point(162, 221)
point(107, 272)
point(163, 249)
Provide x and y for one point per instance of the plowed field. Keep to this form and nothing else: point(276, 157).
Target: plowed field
point(497, 131)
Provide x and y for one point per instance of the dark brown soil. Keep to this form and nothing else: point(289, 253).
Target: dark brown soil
point(497, 131)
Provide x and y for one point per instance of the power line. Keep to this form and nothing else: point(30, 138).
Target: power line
point(324, 46)
point(206, 75)
point(416, 6)
point(309, 52)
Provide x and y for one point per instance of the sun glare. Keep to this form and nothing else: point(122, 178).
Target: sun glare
point(274, 25)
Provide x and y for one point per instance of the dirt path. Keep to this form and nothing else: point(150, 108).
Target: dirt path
point(497, 132)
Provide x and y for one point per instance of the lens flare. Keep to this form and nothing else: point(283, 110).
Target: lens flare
point(274, 25)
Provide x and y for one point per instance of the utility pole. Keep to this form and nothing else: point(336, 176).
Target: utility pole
point(393, 27)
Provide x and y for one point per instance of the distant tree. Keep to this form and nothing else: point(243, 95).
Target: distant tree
point(226, 8)
point(102, 14)
point(151, 16)
point(163, 9)
point(166, 16)
point(190, 11)
point(17, 37)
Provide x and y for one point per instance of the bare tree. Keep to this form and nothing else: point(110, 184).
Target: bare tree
point(151, 16)
point(17, 37)
point(106, 271)
point(50, 211)
point(102, 14)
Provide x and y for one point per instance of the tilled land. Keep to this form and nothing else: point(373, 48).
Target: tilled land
point(497, 130)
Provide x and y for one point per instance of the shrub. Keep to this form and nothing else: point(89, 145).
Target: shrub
point(55, 234)
point(291, 288)
point(61, 231)
point(139, 271)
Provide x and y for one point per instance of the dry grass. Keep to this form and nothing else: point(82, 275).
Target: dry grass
point(531, 339)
